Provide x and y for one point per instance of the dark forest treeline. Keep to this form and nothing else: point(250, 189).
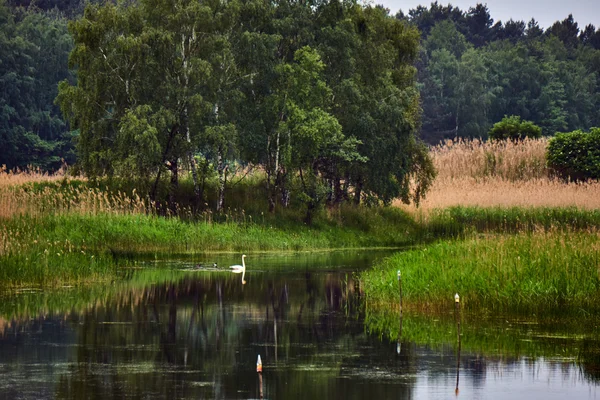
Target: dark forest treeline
point(474, 71)
point(34, 47)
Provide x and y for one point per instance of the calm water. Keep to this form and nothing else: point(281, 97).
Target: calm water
point(169, 332)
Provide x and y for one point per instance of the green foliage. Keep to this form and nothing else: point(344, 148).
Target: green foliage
point(314, 113)
point(549, 78)
point(514, 128)
point(551, 271)
point(33, 58)
point(462, 221)
point(575, 155)
point(444, 35)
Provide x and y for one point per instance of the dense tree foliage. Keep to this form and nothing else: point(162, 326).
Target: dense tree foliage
point(33, 58)
point(575, 155)
point(321, 96)
point(514, 128)
point(473, 72)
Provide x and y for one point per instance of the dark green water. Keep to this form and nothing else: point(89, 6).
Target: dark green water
point(166, 331)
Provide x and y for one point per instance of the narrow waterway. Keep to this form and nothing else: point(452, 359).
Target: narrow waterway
point(169, 330)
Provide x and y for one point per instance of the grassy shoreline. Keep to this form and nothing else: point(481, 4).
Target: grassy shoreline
point(54, 250)
point(552, 271)
point(68, 248)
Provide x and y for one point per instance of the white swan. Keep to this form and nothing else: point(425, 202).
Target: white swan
point(240, 269)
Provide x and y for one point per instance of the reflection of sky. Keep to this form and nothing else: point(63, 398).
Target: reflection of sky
point(525, 379)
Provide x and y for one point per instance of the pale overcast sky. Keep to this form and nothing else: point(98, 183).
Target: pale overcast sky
point(546, 12)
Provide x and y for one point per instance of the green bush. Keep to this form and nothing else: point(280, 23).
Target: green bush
point(514, 128)
point(575, 155)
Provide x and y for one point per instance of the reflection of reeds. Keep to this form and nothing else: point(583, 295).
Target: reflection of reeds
point(476, 173)
point(504, 338)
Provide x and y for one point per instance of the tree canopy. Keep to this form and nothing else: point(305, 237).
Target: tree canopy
point(320, 96)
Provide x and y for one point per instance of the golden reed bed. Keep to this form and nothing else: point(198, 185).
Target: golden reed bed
point(17, 196)
point(507, 174)
point(470, 173)
point(20, 177)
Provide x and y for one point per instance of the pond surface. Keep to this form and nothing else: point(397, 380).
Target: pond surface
point(169, 331)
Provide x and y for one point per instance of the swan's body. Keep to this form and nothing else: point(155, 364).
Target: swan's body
point(240, 269)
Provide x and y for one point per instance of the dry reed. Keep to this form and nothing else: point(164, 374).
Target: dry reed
point(505, 174)
point(18, 196)
point(508, 160)
point(30, 175)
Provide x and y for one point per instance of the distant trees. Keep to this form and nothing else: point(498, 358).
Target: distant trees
point(34, 48)
point(514, 128)
point(472, 72)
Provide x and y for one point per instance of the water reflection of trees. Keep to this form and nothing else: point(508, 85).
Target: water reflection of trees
point(200, 337)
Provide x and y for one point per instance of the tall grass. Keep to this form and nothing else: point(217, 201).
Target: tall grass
point(505, 174)
point(541, 272)
point(31, 175)
point(508, 160)
point(461, 222)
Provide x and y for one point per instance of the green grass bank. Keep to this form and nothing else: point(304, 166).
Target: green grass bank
point(553, 272)
point(67, 246)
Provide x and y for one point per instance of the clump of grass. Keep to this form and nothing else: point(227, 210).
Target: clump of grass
point(462, 221)
point(505, 159)
point(500, 173)
point(549, 271)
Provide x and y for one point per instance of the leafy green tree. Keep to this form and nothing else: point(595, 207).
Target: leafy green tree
point(514, 128)
point(474, 95)
point(575, 155)
point(480, 23)
point(533, 30)
point(444, 35)
point(437, 96)
point(314, 138)
point(566, 30)
point(512, 31)
point(142, 70)
point(377, 102)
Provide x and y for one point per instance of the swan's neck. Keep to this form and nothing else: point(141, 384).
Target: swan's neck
point(243, 269)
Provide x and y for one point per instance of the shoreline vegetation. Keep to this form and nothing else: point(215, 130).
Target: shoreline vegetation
point(553, 272)
point(60, 230)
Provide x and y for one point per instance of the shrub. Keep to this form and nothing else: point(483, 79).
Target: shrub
point(514, 128)
point(575, 155)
